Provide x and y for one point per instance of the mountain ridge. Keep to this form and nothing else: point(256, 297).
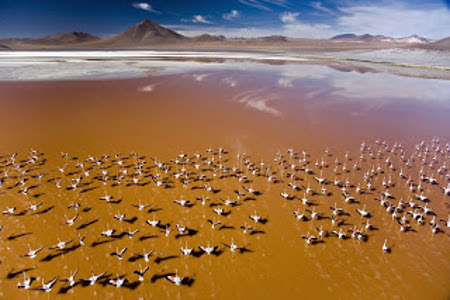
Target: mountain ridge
point(149, 34)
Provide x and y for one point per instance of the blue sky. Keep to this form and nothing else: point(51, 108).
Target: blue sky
point(232, 18)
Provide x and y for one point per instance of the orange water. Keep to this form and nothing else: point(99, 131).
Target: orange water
point(182, 115)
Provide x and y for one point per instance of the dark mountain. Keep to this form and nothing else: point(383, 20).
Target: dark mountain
point(146, 32)
point(65, 38)
point(372, 38)
point(344, 36)
point(368, 38)
point(275, 39)
point(207, 38)
point(444, 44)
point(441, 45)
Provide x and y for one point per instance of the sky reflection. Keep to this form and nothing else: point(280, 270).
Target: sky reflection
point(255, 79)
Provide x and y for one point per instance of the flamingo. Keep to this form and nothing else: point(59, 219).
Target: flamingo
point(232, 246)
point(299, 216)
point(47, 287)
point(166, 231)
point(246, 228)
point(153, 222)
point(70, 221)
point(363, 212)
point(132, 233)
point(322, 233)
point(203, 199)
point(61, 245)
point(147, 255)
point(177, 280)
point(208, 250)
point(26, 283)
point(385, 248)
point(34, 207)
point(214, 223)
point(140, 206)
point(314, 214)
point(348, 198)
point(119, 217)
point(186, 250)
point(108, 232)
point(118, 282)
point(71, 278)
point(341, 234)
point(336, 211)
point(107, 197)
point(31, 253)
point(255, 217)
point(309, 239)
point(141, 272)
point(93, 279)
point(229, 202)
point(9, 211)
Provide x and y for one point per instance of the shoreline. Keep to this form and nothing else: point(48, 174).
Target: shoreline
point(416, 70)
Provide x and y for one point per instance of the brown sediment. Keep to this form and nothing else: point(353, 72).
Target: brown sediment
point(105, 117)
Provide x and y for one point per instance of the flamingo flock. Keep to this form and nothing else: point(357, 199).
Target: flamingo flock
point(329, 193)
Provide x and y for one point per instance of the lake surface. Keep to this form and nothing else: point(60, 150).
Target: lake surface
point(256, 108)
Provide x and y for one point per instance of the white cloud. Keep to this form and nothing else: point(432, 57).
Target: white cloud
point(317, 31)
point(396, 20)
point(232, 15)
point(255, 4)
point(288, 17)
point(318, 5)
point(262, 4)
point(294, 30)
point(201, 19)
point(144, 6)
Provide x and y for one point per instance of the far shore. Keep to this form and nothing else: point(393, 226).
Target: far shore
point(277, 56)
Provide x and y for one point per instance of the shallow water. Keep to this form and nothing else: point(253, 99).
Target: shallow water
point(248, 107)
point(406, 56)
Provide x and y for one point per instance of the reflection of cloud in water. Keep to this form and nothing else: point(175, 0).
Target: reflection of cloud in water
point(305, 71)
point(148, 88)
point(258, 99)
point(285, 82)
point(200, 77)
point(385, 86)
point(374, 86)
point(230, 81)
point(312, 81)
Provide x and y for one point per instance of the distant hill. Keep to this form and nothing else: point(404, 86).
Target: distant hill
point(68, 39)
point(441, 45)
point(148, 35)
point(372, 38)
point(344, 36)
point(65, 38)
point(146, 32)
point(275, 39)
point(414, 39)
point(207, 38)
point(444, 43)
